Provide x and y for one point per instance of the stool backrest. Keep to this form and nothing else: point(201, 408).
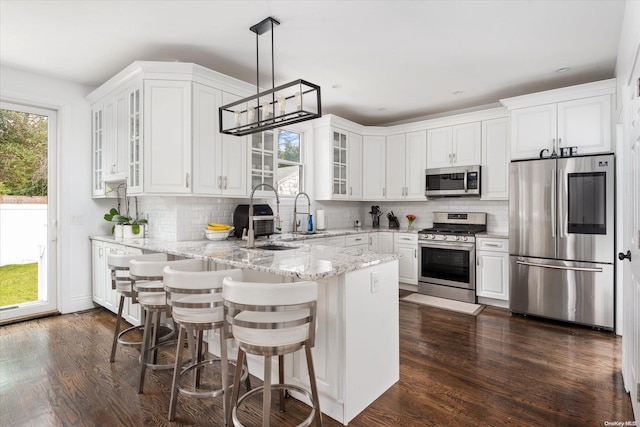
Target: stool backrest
point(152, 271)
point(280, 306)
point(119, 263)
point(196, 290)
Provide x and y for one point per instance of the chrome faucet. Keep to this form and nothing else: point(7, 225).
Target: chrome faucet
point(250, 232)
point(295, 210)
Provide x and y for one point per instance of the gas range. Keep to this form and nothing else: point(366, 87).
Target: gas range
point(446, 265)
point(455, 227)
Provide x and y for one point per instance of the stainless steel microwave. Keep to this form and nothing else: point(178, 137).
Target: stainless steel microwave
point(463, 181)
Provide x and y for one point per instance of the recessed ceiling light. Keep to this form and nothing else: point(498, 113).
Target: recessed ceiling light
point(382, 108)
point(336, 86)
point(562, 70)
point(457, 92)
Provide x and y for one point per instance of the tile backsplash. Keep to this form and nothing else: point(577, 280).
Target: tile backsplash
point(184, 218)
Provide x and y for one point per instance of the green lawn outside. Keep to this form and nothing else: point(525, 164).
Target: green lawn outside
point(18, 283)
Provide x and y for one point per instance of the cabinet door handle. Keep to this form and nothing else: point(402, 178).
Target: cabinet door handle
point(186, 180)
point(351, 191)
point(454, 157)
point(370, 242)
point(220, 182)
point(225, 182)
point(384, 192)
point(478, 262)
point(415, 253)
point(559, 142)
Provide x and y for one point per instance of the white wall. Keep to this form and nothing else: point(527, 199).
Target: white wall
point(77, 212)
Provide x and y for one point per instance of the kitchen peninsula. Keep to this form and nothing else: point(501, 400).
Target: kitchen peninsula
point(357, 343)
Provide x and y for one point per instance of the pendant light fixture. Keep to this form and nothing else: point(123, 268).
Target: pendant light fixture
point(280, 106)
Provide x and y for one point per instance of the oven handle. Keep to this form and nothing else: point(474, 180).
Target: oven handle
point(448, 245)
point(561, 267)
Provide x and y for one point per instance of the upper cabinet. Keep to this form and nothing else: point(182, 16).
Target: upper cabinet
point(457, 145)
point(555, 121)
point(337, 163)
point(156, 125)
point(494, 180)
point(213, 173)
point(405, 164)
point(373, 167)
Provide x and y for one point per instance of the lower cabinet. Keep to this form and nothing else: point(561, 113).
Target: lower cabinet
point(406, 244)
point(492, 269)
point(357, 241)
point(101, 276)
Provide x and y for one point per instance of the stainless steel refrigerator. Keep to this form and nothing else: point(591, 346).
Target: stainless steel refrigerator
point(561, 238)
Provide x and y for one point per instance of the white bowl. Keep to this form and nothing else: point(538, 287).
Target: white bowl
point(217, 235)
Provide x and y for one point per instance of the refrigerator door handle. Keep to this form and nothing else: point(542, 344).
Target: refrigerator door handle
point(561, 267)
point(553, 203)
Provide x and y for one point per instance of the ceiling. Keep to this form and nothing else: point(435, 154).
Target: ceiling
point(377, 62)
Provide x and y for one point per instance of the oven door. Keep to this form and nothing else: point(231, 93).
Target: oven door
point(449, 264)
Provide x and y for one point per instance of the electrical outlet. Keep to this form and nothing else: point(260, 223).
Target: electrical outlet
point(375, 282)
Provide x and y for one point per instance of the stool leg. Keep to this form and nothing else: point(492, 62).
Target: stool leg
point(314, 386)
point(247, 381)
point(154, 337)
point(224, 372)
point(266, 393)
point(176, 374)
point(117, 330)
point(146, 338)
point(241, 360)
point(281, 380)
point(199, 357)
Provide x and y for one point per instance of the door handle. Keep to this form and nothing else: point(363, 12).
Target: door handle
point(561, 267)
point(622, 256)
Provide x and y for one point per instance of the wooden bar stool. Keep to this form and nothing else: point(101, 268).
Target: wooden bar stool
point(119, 265)
point(272, 319)
point(146, 279)
point(195, 298)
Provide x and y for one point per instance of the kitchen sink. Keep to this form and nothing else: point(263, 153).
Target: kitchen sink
point(276, 247)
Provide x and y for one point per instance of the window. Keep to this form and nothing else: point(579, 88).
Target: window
point(290, 167)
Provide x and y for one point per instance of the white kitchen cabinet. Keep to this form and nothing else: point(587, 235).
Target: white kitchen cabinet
point(492, 268)
point(101, 280)
point(360, 240)
point(405, 165)
point(338, 164)
point(494, 179)
point(98, 271)
point(160, 132)
point(578, 116)
point(406, 244)
point(373, 241)
point(338, 241)
point(219, 160)
point(458, 145)
point(374, 167)
point(97, 150)
point(385, 242)
point(167, 136)
point(135, 148)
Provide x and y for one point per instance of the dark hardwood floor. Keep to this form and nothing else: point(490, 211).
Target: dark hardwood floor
point(491, 370)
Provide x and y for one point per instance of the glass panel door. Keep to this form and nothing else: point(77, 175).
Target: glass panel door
point(27, 211)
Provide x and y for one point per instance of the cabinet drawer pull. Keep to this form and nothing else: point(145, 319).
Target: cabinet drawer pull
point(186, 180)
point(493, 245)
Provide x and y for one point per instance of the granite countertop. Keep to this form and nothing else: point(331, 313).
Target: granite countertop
point(303, 261)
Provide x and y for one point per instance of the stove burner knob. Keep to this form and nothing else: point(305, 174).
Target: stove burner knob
point(432, 236)
point(457, 238)
point(444, 237)
point(465, 238)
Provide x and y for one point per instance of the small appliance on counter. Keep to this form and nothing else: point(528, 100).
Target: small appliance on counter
point(375, 213)
point(393, 221)
point(262, 226)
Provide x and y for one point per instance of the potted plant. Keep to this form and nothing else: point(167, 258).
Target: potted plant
point(126, 227)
